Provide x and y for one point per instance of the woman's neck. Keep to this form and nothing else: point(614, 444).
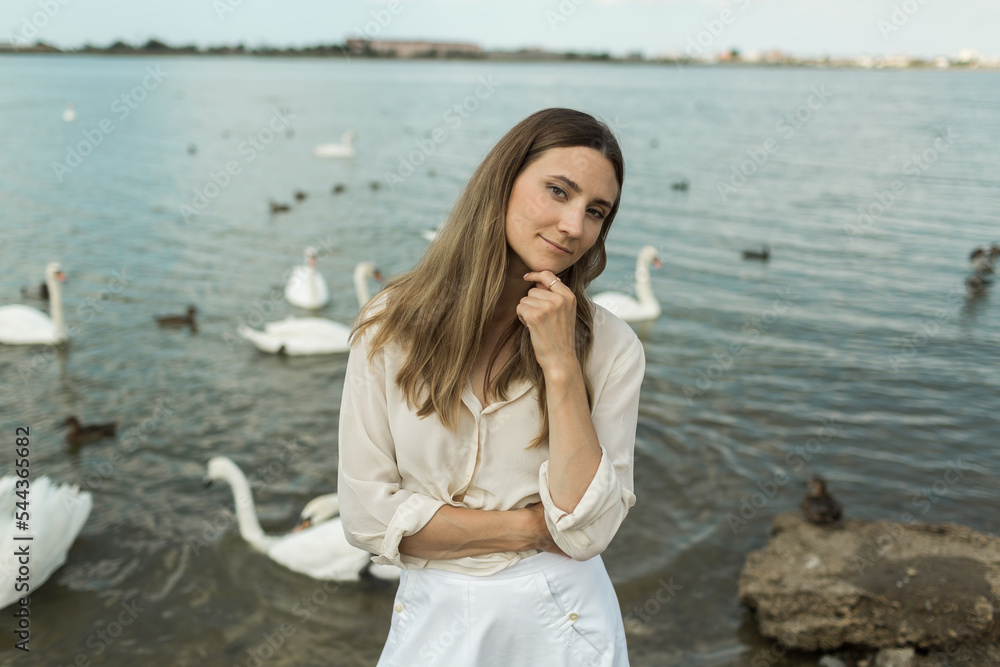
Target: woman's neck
point(515, 288)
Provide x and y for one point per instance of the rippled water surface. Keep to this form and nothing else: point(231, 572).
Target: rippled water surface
point(855, 352)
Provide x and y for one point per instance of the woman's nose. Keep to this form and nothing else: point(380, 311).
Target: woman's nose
point(571, 222)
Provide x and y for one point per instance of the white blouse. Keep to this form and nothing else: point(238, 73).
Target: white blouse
point(396, 470)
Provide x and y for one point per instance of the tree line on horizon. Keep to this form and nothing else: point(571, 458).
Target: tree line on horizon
point(156, 46)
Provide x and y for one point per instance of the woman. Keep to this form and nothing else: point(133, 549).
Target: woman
point(489, 412)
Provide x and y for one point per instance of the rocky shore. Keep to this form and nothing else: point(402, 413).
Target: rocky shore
point(878, 593)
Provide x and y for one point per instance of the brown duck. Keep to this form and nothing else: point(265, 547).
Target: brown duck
point(762, 255)
point(41, 293)
point(819, 506)
point(80, 435)
point(178, 320)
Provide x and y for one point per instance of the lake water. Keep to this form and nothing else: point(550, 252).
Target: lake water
point(855, 352)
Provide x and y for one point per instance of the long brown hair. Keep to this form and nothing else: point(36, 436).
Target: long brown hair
point(441, 310)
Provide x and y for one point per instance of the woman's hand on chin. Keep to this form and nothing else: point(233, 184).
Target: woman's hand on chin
point(549, 312)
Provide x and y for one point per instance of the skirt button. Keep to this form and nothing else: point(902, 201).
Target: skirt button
point(399, 608)
point(573, 616)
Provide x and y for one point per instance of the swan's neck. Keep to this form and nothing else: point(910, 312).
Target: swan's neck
point(246, 512)
point(643, 286)
point(346, 140)
point(312, 280)
point(361, 287)
point(56, 308)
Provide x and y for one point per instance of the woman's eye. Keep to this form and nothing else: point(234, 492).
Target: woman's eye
point(557, 191)
point(597, 213)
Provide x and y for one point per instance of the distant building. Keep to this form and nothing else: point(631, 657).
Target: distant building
point(893, 60)
point(776, 57)
point(669, 56)
point(863, 61)
point(967, 57)
point(413, 49)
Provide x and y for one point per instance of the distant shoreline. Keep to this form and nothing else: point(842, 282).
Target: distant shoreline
point(345, 52)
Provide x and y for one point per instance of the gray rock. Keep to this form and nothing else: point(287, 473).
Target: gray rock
point(961, 655)
point(874, 584)
point(830, 661)
point(895, 657)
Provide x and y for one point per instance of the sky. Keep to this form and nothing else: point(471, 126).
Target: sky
point(652, 27)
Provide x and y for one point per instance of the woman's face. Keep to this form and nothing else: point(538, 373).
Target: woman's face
point(557, 207)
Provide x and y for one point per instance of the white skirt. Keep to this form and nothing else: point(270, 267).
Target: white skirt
point(544, 610)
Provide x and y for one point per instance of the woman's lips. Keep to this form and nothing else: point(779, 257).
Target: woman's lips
point(556, 246)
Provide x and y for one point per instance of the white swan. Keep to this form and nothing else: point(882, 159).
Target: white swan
point(324, 508)
point(343, 149)
point(300, 336)
point(56, 513)
point(320, 552)
point(646, 307)
point(70, 114)
point(23, 325)
point(363, 272)
point(318, 510)
point(306, 287)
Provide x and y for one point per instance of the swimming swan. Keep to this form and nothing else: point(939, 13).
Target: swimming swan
point(58, 512)
point(23, 325)
point(320, 551)
point(343, 149)
point(306, 287)
point(299, 336)
point(324, 508)
point(318, 510)
point(628, 308)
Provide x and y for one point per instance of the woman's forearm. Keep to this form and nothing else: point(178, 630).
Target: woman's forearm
point(456, 532)
point(549, 312)
point(574, 450)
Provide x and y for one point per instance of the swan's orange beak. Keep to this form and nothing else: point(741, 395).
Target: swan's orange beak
point(61, 276)
point(657, 264)
point(378, 276)
point(305, 523)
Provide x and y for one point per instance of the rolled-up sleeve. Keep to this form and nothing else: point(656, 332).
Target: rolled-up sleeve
point(375, 511)
point(588, 529)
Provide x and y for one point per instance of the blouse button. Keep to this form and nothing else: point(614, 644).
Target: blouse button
point(399, 609)
point(573, 616)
